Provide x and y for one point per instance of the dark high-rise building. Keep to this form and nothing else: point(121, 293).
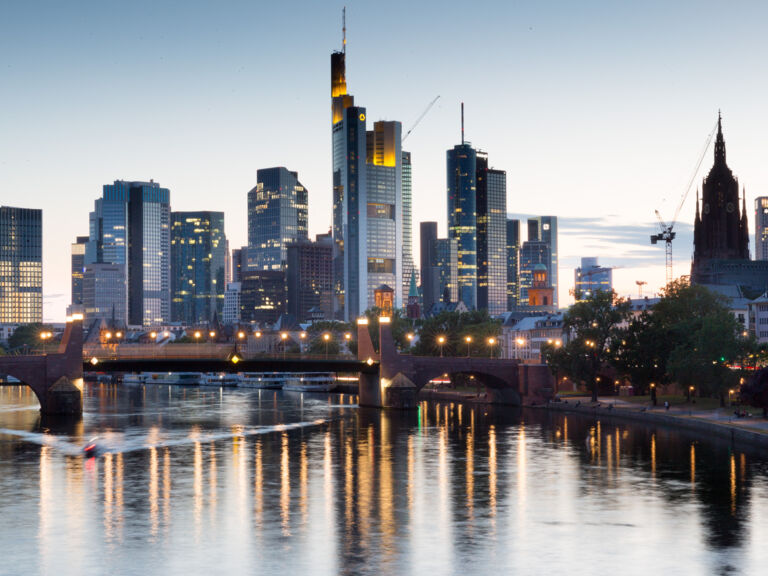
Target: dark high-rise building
point(21, 265)
point(104, 293)
point(491, 237)
point(409, 267)
point(513, 263)
point(367, 201)
point(720, 230)
point(430, 283)
point(198, 262)
point(262, 296)
point(309, 277)
point(130, 227)
point(277, 216)
point(239, 263)
point(461, 177)
point(78, 268)
point(447, 264)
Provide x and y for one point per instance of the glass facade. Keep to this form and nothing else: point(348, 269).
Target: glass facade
point(544, 229)
point(461, 178)
point(513, 263)
point(310, 279)
point(277, 216)
point(104, 293)
point(198, 263)
point(531, 254)
point(447, 260)
point(491, 237)
point(78, 268)
point(262, 297)
point(409, 268)
point(130, 226)
point(590, 277)
point(21, 265)
point(430, 282)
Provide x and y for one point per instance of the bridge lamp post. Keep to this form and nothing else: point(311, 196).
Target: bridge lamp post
point(409, 337)
point(302, 339)
point(468, 340)
point(518, 343)
point(212, 335)
point(153, 336)
point(440, 342)
point(492, 343)
point(284, 338)
point(326, 338)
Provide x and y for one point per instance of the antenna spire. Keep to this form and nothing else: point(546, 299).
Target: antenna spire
point(462, 123)
point(344, 29)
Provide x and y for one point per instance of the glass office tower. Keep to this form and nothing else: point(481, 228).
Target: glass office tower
point(277, 216)
point(409, 268)
point(78, 268)
point(513, 263)
point(491, 237)
point(21, 265)
point(544, 229)
point(130, 226)
point(447, 264)
point(367, 202)
point(533, 252)
point(461, 177)
point(198, 263)
point(591, 277)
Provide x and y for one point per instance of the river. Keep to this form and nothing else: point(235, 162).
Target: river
point(210, 481)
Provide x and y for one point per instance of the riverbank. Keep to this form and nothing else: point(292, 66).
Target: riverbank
point(723, 423)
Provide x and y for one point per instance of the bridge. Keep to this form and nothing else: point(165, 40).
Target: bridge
point(387, 378)
point(56, 379)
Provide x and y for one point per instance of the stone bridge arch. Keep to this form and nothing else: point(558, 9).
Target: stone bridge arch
point(56, 379)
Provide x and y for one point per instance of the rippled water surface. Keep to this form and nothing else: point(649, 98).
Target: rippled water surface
point(208, 481)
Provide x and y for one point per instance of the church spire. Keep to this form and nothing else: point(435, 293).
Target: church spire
point(720, 142)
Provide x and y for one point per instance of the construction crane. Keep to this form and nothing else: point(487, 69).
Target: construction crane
point(666, 232)
point(419, 119)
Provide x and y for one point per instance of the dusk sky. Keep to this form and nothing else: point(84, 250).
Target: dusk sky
point(598, 111)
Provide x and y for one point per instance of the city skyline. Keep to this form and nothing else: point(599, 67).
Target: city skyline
point(622, 111)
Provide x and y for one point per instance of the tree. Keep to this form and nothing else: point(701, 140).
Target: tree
point(593, 324)
point(755, 391)
point(702, 338)
point(28, 335)
point(454, 327)
point(640, 352)
point(319, 345)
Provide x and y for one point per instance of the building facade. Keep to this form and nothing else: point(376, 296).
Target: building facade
point(263, 296)
point(21, 265)
point(277, 216)
point(409, 267)
point(532, 253)
point(130, 227)
point(447, 265)
point(513, 263)
point(461, 178)
point(591, 277)
point(309, 277)
point(367, 201)
point(198, 264)
point(761, 228)
point(491, 237)
point(231, 313)
point(78, 268)
point(430, 284)
point(104, 293)
point(720, 229)
point(544, 229)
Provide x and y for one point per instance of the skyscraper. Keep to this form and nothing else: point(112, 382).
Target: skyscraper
point(409, 267)
point(277, 216)
point(21, 265)
point(447, 264)
point(761, 228)
point(309, 277)
point(78, 268)
point(367, 201)
point(461, 177)
point(130, 227)
point(491, 237)
point(532, 253)
point(513, 263)
point(198, 262)
point(262, 296)
point(104, 293)
point(430, 283)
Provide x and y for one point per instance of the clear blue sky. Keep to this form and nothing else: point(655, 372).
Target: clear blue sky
point(596, 110)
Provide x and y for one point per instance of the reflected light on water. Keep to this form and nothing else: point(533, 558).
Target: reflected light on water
point(492, 474)
point(693, 466)
point(153, 492)
point(285, 487)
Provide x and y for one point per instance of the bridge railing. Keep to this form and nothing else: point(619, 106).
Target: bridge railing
point(193, 351)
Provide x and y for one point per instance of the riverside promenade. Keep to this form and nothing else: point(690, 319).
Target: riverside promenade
point(721, 422)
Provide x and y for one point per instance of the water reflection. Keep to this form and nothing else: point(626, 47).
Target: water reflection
point(219, 481)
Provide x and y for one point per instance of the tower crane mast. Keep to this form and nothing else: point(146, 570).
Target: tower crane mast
point(666, 233)
point(419, 119)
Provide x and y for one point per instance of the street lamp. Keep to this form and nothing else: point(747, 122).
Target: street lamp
point(440, 342)
point(468, 340)
point(284, 338)
point(518, 343)
point(241, 335)
point(491, 343)
point(212, 334)
point(730, 397)
point(409, 336)
point(326, 338)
